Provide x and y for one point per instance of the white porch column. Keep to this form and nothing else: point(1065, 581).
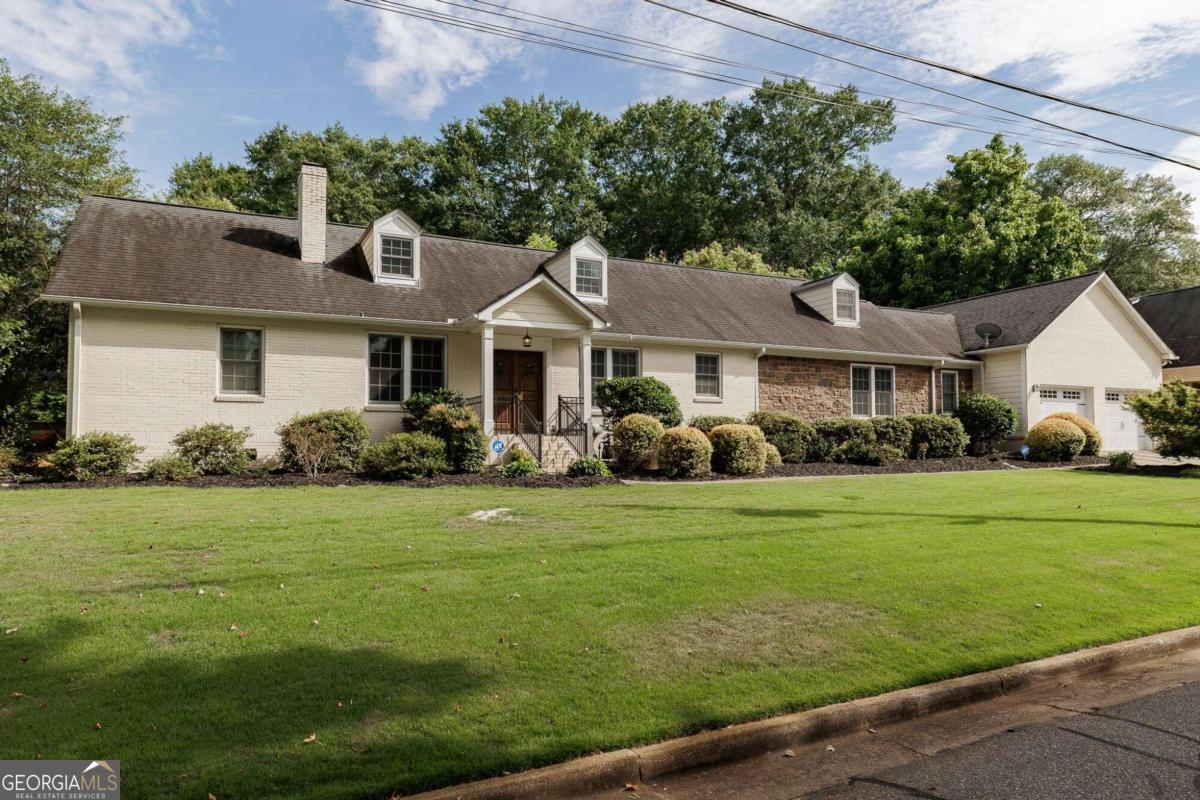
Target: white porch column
point(585, 385)
point(487, 403)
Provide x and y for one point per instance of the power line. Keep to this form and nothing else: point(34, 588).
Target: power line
point(1150, 153)
point(947, 67)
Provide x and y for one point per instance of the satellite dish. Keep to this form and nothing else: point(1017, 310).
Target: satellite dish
point(988, 331)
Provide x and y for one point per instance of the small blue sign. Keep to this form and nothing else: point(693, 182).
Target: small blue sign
point(497, 447)
point(1024, 451)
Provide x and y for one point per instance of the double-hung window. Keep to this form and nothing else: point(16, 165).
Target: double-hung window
point(847, 305)
point(613, 363)
point(949, 391)
point(708, 375)
point(394, 360)
point(396, 256)
point(589, 277)
point(872, 391)
point(241, 361)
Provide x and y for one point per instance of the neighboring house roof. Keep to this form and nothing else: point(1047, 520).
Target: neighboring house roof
point(1022, 313)
point(1175, 316)
point(156, 253)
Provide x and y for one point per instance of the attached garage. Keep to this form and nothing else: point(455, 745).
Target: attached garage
point(1121, 428)
point(1054, 401)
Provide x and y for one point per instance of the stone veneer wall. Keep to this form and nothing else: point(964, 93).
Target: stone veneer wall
point(812, 388)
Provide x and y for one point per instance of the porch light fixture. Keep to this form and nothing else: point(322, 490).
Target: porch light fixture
point(527, 340)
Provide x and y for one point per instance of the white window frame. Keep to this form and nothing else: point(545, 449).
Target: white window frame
point(837, 314)
point(221, 393)
point(393, 405)
point(396, 225)
point(957, 386)
point(696, 375)
point(608, 364)
point(603, 293)
point(412, 257)
point(871, 402)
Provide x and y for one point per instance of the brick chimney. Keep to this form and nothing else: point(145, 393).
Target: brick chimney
point(310, 210)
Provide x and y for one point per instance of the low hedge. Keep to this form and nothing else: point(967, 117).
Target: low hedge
point(403, 456)
point(1055, 439)
point(1093, 441)
point(894, 432)
point(774, 459)
point(791, 435)
point(937, 436)
point(168, 468)
point(685, 453)
point(872, 454)
point(214, 449)
point(521, 464)
point(739, 450)
point(635, 441)
point(588, 466)
point(347, 427)
point(706, 422)
point(94, 455)
point(829, 432)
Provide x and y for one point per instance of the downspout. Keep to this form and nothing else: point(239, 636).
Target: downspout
point(74, 353)
point(932, 389)
point(762, 351)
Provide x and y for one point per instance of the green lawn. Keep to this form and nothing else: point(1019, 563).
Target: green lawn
point(423, 649)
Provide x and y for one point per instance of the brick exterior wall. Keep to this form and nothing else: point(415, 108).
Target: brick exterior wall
point(812, 387)
point(310, 197)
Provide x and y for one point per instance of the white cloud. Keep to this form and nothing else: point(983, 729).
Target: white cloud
point(1186, 179)
point(95, 46)
point(931, 154)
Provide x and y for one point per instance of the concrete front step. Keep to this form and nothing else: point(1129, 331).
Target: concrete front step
point(557, 452)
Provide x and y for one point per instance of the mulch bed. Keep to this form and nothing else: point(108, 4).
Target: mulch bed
point(963, 464)
point(277, 479)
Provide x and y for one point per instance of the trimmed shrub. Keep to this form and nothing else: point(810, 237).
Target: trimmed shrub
point(739, 449)
point(1092, 439)
point(707, 422)
point(987, 419)
point(347, 427)
point(620, 397)
point(829, 432)
point(419, 403)
point(685, 453)
point(521, 464)
point(1171, 417)
point(937, 436)
point(588, 467)
point(1122, 461)
point(1055, 440)
point(461, 432)
point(773, 457)
point(8, 460)
point(403, 456)
point(94, 455)
point(894, 432)
point(214, 449)
point(168, 468)
point(871, 454)
point(792, 436)
point(635, 441)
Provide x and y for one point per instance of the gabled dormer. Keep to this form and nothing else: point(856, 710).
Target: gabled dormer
point(391, 246)
point(583, 269)
point(835, 298)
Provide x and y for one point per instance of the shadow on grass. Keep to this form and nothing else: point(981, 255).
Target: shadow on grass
point(234, 725)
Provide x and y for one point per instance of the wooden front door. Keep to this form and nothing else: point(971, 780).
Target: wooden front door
point(518, 372)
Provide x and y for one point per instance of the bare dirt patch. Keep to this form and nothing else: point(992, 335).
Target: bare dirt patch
point(166, 638)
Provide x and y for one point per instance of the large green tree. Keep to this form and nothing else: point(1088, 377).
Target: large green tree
point(978, 229)
point(54, 148)
point(1147, 238)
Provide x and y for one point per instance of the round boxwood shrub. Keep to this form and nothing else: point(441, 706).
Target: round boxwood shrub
point(168, 468)
point(685, 453)
point(792, 436)
point(461, 432)
point(706, 422)
point(403, 456)
point(635, 441)
point(937, 436)
point(94, 455)
point(872, 454)
point(1055, 440)
point(894, 432)
point(347, 427)
point(829, 432)
point(1092, 439)
point(588, 467)
point(987, 419)
point(620, 397)
point(521, 464)
point(739, 449)
point(214, 449)
point(774, 459)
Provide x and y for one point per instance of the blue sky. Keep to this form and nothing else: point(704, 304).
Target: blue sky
point(206, 75)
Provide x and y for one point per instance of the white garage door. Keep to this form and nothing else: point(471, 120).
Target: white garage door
point(1057, 400)
point(1122, 430)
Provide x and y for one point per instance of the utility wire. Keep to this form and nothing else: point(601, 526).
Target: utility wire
point(946, 67)
point(1150, 153)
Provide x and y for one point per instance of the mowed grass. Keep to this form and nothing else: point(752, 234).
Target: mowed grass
point(210, 632)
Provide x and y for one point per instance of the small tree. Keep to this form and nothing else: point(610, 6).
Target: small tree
point(620, 397)
point(987, 419)
point(312, 448)
point(1171, 417)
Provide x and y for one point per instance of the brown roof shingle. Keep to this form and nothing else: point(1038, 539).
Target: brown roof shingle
point(1175, 317)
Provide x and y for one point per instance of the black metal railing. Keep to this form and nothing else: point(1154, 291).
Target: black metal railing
point(572, 425)
point(510, 415)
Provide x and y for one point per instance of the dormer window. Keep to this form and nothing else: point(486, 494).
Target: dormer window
point(589, 277)
point(847, 305)
point(396, 256)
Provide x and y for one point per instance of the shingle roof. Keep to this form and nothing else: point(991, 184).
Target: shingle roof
point(158, 253)
point(1021, 313)
point(1175, 316)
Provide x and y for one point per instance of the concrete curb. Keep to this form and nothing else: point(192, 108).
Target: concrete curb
point(637, 765)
